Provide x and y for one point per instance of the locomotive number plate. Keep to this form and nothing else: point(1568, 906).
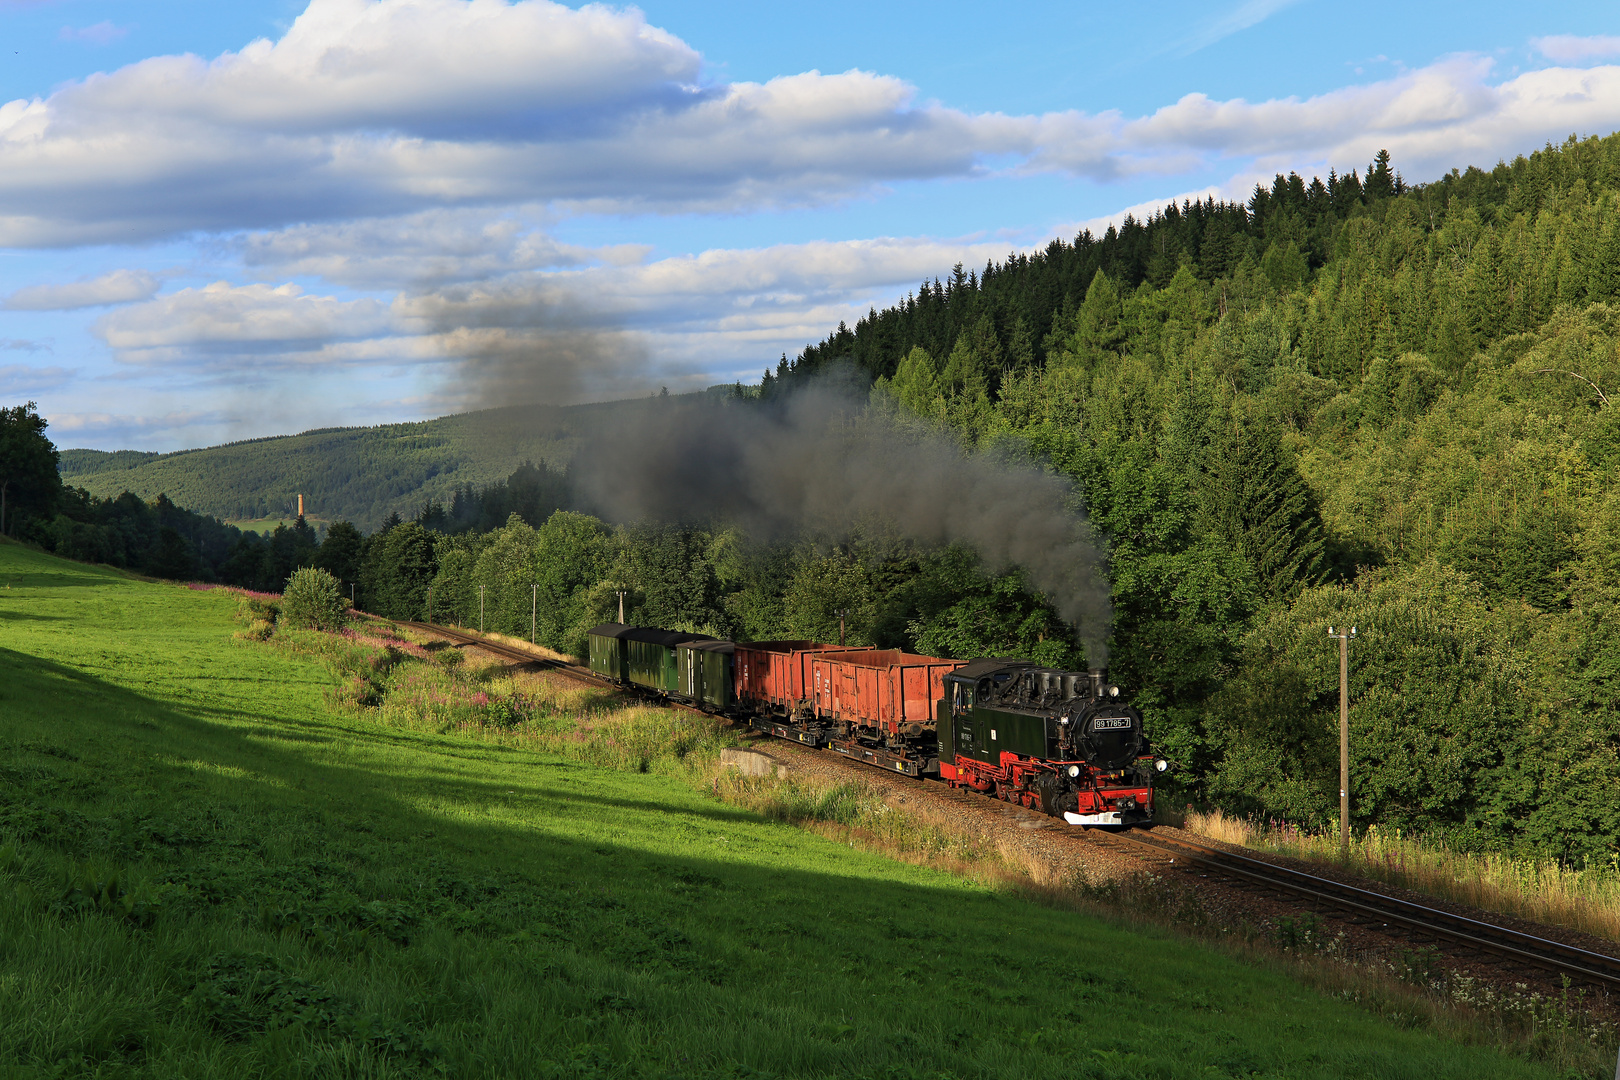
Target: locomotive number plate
point(1111, 723)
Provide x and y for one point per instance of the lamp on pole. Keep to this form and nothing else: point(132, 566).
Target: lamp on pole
point(1344, 637)
point(480, 609)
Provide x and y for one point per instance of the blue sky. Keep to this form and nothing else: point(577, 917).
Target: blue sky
point(226, 220)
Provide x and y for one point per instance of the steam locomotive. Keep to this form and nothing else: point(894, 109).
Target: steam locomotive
point(1062, 742)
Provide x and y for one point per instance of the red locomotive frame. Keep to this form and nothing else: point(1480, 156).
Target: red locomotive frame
point(1103, 798)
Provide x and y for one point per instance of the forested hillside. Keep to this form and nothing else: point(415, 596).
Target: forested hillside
point(1340, 403)
point(355, 474)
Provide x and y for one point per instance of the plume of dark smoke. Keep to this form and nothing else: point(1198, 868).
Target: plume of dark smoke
point(523, 343)
point(820, 461)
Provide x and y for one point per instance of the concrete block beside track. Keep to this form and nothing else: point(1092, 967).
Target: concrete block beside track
point(751, 763)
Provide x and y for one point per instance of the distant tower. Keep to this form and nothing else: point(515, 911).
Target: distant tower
point(300, 506)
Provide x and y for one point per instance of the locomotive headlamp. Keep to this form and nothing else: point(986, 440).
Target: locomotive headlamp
point(1074, 771)
point(1113, 691)
point(1161, 766)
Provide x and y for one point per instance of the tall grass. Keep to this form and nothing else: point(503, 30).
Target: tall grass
point(1542, 890)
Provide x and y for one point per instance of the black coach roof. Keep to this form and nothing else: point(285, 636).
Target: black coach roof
point(987, 665)
point(652, 635)
point(711, 645)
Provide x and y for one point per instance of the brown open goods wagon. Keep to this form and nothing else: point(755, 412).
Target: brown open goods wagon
point(879, 691)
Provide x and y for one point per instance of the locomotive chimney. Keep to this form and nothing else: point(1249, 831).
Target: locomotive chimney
point(1097, 682)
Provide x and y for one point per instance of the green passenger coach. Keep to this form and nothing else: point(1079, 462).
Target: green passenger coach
point(609, 654)
point(639, 655)
point(705, 672)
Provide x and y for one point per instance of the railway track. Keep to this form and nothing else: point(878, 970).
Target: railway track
point(1459, 936)
point(523, 656)
point(508, 651)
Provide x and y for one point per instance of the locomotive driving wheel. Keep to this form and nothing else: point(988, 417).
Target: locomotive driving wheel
point(1046, 788)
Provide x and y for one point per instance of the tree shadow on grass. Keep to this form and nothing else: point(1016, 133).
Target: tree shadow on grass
point(34, 580)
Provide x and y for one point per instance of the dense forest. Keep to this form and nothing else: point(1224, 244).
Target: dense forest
point(1347, 401)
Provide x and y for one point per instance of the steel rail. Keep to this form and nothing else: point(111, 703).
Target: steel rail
point(1538, 951)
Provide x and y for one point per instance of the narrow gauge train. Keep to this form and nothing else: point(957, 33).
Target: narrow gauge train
point(1061, 742)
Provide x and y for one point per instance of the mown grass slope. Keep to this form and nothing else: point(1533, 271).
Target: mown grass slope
point(205, 872)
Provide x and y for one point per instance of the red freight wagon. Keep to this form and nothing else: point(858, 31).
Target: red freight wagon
point(773, 677)
point(883, 696)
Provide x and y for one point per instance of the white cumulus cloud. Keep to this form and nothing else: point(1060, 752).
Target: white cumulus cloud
point(1448, 114)
point(1570, 49)
point(392, 108)
point(417, 250)
point(367, 108)
point(18, 379)
point(224, 319)
point(118, 287)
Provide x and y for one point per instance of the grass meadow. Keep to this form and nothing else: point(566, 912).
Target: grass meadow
point(229, 857)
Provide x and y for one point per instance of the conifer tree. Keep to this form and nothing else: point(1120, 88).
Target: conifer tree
point(1099, 325)
point(916, 383)
point(1380, 181)
point(1263, 506)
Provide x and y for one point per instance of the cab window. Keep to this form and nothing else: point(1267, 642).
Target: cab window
point(961, 699)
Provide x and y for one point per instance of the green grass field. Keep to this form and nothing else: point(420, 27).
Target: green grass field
point(204, 871)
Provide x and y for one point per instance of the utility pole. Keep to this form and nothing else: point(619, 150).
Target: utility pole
point(534, 610)
point(480, 609)
point(430, 603)
point(1344, 637)
point(842, 613)
point(351, 595)
point(621, 606)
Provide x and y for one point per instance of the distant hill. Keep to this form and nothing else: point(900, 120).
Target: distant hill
point(358, 474)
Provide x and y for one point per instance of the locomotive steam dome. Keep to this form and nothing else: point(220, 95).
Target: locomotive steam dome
point(1111, 734)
